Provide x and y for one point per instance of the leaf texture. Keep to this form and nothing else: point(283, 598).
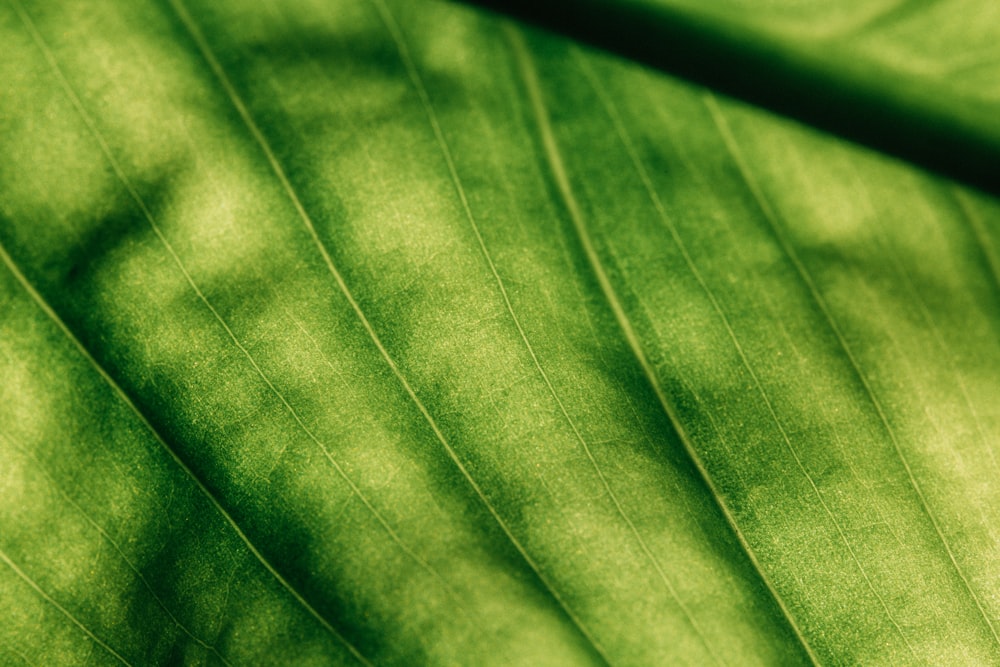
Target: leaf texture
point(393, 333)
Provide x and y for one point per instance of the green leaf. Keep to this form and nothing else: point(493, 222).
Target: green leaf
point(911, 78)
point(391, 333)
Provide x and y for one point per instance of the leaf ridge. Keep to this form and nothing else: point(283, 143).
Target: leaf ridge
point(840, 531)
point(282, 177)
point(736, 154)
point(556, 165)
point(65, 612)
point(571, 254)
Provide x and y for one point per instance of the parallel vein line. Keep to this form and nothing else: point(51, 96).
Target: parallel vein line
point(644, 177)
point(14, 650)
point(524, 65)
point(220, 74)
point(769, 215)
point(979, 234)
point(931, 325)
point(65, 612)
point(425, 100)
point(120, 393)
point(148, 215)
point(558, 169)
point(78, 105)
point(107, 538)
point(840, 531)
point(306, 219)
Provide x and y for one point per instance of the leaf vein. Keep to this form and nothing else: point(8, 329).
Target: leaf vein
point(693, 269)
point(65, 612)
point(557, 167)
point(40, 301)
point(107, 538)
point(520, 53)
point(736, 154)
point(306, 219)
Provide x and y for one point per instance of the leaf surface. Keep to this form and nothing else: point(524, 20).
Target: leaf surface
point(385, 333)
point(915, 79)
